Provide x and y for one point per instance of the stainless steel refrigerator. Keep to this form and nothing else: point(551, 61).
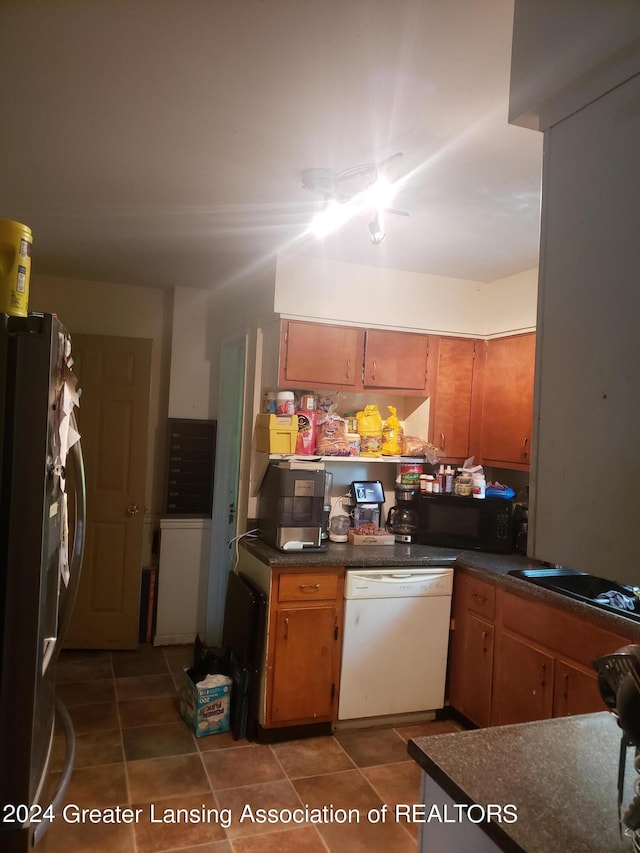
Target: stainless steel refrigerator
point(42, 503)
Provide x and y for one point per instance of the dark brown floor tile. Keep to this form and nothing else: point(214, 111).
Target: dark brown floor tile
point(156, 741)
point(224, 740)
point(230, 768)
point(372, 746)
point(288, 841)
point(92, 748)
point(98, 717)
point(201, 824)
point(346, 790)
point(146, 660)
point(396, 784)
point(367, 837)
point(436, 727)
point(142, 712)
point(159, 778)
point(144, 687)
point(244, 803)
point(357, 829)
point(96, 787)
point(82, 837)
point(312, 757)
point(86, 692)
point(83, 666)
point(178, 657)
point(213, 847)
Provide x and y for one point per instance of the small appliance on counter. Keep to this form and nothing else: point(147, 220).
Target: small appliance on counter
point(291, 507)
point(521, 521)
point(450, 521)
point(402, 521)
point(366, 500)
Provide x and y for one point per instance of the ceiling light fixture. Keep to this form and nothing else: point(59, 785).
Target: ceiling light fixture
point(377, 232)
point(351, 192)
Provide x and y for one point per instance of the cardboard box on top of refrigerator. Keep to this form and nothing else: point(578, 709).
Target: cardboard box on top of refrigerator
point(206, 709)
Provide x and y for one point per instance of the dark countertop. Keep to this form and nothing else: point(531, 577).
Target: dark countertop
point(561, 774)
point(491, 567)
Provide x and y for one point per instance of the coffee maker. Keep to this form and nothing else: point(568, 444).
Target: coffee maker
point(290, 508)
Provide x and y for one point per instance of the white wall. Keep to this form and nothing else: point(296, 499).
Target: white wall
point(510, 304)
point(190, 378)
point(333, 291)
point(94, 308)
point(565, 53)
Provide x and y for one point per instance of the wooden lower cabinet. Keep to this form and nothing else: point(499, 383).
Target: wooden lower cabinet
point(472, 669)
point(575, 691)
point(514, 659)
point(471, 650)
point(523, 687)
point(304, 648)
point(304, 678)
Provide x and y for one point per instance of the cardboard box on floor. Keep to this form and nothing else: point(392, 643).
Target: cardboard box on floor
point(206, 710)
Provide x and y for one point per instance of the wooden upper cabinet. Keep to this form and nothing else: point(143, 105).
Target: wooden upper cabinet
point(395, 360)
point(322, 356)
point(507, 410)
point(456, 395)
point(314, 355)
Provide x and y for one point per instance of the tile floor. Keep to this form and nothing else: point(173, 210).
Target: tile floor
point(133, 750)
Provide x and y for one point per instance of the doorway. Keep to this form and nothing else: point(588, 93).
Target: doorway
point(114, 377)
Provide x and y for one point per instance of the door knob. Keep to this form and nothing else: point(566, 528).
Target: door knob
point(132, 509)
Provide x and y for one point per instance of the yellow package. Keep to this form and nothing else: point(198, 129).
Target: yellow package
point(391, 434)
point(370, 431)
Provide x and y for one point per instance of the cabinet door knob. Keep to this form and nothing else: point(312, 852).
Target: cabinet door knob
point(309, 586)
point(373, 375)
point(566, 685)
point(286, 627)
point(442, 440)
point(133, 509)
point(525, 447)
point(348, 368)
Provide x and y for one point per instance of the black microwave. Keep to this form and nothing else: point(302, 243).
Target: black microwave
point(457, 522)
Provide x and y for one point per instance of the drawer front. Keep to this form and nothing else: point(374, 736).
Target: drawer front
point(564, 632)
point(479, 597)
point(308, 587)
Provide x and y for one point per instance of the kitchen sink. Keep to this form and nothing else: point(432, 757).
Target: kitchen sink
point(581, 586)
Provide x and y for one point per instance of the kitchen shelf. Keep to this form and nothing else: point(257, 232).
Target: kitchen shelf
point(418, 460)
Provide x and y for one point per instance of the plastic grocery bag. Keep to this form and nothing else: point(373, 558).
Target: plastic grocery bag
point(391, 434)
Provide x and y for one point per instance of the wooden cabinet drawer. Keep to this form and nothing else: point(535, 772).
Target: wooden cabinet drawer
point(479, 597)
point(564, 632)
point(322, 586)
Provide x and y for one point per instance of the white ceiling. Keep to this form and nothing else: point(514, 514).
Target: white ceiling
point(162, 142)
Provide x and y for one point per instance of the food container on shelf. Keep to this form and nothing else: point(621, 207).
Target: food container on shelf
point(285, 403)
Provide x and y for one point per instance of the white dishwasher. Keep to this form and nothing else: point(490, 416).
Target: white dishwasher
point(395, 641)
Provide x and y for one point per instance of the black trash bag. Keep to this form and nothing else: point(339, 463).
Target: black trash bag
point(209, 660)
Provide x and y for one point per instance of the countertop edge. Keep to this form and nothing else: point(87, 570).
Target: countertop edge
point(492, 829)
point(488, 566)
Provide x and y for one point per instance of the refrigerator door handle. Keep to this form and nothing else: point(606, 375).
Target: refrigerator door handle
point(75, 567)
point(65, 777)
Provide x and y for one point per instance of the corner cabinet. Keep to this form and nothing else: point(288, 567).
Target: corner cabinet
point(327, 357)
point(456, 395)
point(304, 647)
point(514, 659)
point(507, 407)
